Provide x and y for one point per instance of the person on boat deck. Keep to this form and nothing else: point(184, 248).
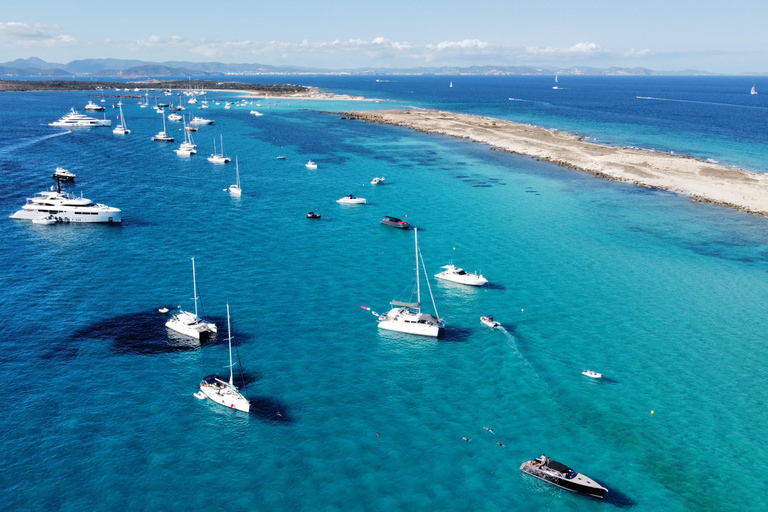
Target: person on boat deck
point(543, 460)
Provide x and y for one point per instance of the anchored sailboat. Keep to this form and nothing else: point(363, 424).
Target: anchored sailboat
point(121, 129)
point(235, 189)
point(403, 318)
point(192, 325)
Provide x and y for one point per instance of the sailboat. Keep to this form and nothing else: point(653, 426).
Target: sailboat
point(753, 91)
point(191, 325)
point(555, 87)
point(220, 391)
point(216, 158)
point(235, 189)
point(450, 85)
point(163, 135)
point(403, 318)
point(121, 129)
point(188, 147)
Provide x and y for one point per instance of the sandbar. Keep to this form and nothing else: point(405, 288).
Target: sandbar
point(701, 180)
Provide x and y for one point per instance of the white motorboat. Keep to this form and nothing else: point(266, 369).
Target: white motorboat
point(457, 275)
point(200, 121)
point(75, 120)
point(376, 181)
point(350, 199)
point(45, 221)
point(220, 391)
point(163, 135)
point(121, 129)
point(219, 158)
point(403, 318)
point(163, 311)
point(489, 321)
point(591, 374)
point(235, 189)
point(62, 174)
point(93, 107)
point(65, 207)
point(190, 324)
point(256, 113)
point(311, 165)
point(174, 117)
point(562, 476)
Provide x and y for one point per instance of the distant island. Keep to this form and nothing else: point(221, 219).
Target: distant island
point(35, 67)
point(81, 85)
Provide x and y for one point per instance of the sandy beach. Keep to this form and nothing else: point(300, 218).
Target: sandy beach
point(312, 94)
point(702, 181)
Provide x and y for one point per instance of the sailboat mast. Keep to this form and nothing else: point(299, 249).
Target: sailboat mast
point(222, 144)
point(194, 285)
point(418, 283)
point(229, 333)
point(164, 129)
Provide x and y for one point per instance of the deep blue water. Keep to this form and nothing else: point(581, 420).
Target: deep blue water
point(663, 296)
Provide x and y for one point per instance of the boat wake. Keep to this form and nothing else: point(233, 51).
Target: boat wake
point(701, 102)
point(14, 147)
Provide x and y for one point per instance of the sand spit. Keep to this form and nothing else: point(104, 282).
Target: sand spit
point(703, 181)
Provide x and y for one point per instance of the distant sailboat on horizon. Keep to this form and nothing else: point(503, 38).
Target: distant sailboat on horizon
point(451, 84)
point(555, 87)
point(753, 91)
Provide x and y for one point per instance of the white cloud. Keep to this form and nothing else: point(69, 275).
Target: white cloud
point(466, 44)
point(579, 49)
point(15, 33)
point(638, 53)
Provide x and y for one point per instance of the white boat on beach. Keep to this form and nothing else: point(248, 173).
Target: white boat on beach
point(351, 199)
point(458, 275)
point(191, 325)
point(407, 316)
point(222, 392)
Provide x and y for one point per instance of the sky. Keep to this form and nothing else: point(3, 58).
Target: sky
point(715, 36)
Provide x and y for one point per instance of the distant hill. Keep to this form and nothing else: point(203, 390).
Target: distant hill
point(34, 66)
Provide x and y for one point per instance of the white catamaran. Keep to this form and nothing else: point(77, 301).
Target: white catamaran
point(121, 129)
point(403, 318)
point(220, 391)
point(191, 325)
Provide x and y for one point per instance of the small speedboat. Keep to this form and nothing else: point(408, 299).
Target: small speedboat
point(45, 221)
point(395, 222)
point(174, 117)
point(594, 375)
point(313, 215)
point(310, 165)
point(376, 181)
point(163, 310)
point(281, 158)
point(458, 275)
point(62, 174)
point(350, 199)
point(562, 476)
point(489, 321)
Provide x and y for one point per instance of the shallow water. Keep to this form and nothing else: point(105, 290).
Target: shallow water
point(662, 296)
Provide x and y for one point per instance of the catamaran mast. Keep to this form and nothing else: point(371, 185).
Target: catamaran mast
point(237, 169)
point(229, 332)
point(418, 284)
point(194, 285)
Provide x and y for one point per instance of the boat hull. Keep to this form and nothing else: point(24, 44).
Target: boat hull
point(113, 215)
point(184, 323)
point(227, 398)
point(432, 331)
point(468, 279)
point(579, 483)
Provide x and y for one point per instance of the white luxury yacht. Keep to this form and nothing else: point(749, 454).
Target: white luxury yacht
point(121, 129)
point(190, 324)
point(220, 391)
point(402, 318)
point(64, 207)
point(200, 120)
point(217, 158)
point(75, 120)
point(63, 175)
point(94, 107)
point(235, 189)
point(457, 275)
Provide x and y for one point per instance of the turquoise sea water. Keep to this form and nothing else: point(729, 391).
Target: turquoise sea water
point(663, 296)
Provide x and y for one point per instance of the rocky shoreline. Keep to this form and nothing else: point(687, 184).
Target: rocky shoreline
point(701, 180)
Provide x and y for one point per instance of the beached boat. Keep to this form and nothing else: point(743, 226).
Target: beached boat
point(407, 316)
point(457, 275)
point(562, 476)
point(350, 199)
point(489, 321)
point(395, 222)
point(220, 391)
point(191, 325)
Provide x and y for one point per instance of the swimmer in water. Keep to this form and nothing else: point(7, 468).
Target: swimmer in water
point(278, 413)
point(498, 443)
point(489, 429)
point(465, 439)
point(378, 435)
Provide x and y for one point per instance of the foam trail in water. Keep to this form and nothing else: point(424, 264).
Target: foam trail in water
point(14, 147)
point(700, 102)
